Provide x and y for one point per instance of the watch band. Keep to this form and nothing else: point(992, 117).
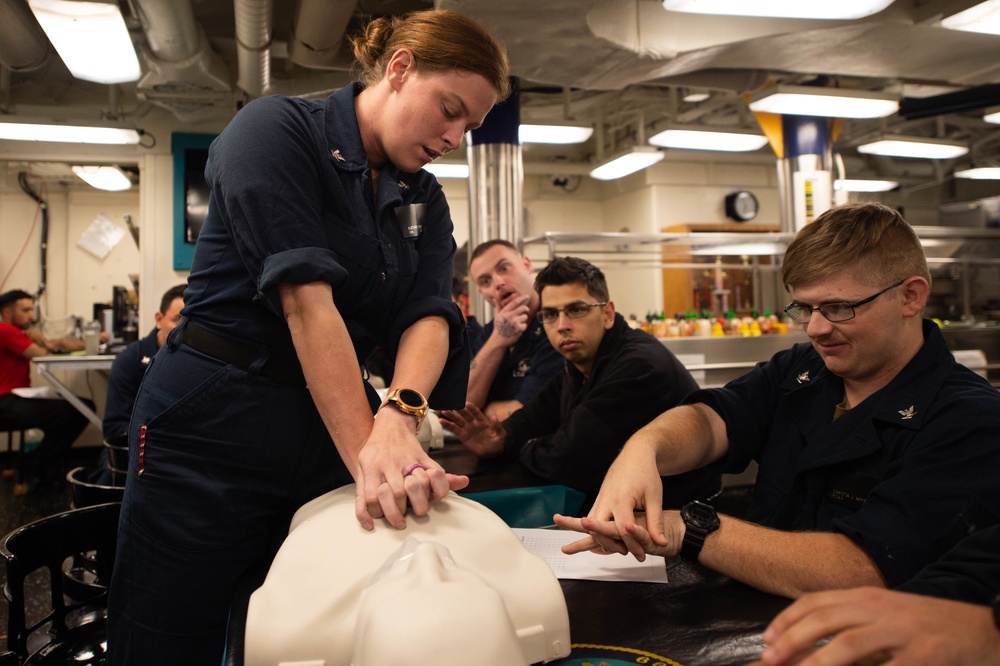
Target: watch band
point(694, 541)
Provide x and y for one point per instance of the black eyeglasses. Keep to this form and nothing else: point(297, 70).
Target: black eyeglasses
point(834, 312)
point(573, 311)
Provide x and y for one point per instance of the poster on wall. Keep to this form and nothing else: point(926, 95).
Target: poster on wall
point(100, 237)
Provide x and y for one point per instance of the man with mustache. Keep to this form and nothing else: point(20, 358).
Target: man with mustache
point(614, 380)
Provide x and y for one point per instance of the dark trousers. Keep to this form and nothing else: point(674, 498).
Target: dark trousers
point(60, 421)
point(219, 460)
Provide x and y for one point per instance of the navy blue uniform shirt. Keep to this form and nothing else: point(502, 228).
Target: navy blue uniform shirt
point(526, 366)
point(315, 219)
point(905, 474)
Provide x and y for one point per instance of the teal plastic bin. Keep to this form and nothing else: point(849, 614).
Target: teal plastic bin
point(530, 507)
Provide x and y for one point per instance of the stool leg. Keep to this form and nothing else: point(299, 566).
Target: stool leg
point(21, 487)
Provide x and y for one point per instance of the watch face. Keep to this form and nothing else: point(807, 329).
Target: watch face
point(410, 398)
point(700, 515)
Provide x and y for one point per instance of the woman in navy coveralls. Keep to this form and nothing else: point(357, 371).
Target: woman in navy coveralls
point(324, 240)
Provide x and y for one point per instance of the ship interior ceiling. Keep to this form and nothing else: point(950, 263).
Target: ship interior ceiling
point(627, 68)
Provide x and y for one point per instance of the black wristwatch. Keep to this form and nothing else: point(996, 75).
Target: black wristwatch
point(700, 520)
point(996, 611)
point(409, 402)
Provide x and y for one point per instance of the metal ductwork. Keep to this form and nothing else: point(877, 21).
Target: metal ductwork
point(23, 45)
point(254, 19)
point(317, 37)
point(183, 74)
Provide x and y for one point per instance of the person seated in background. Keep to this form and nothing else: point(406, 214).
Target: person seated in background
point(876, 450)
point(20, 342)
point(955, 624)
point(126, 375)
point(615, 380)
point(514, 359)
point(460, 294)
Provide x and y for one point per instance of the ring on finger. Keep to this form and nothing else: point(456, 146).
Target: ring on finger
point(415, 466)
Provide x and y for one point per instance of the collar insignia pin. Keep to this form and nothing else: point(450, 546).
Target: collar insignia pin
point(146, 360)
point(908, 413)
point(403, 186)
point(802, 378)
point(337, 156)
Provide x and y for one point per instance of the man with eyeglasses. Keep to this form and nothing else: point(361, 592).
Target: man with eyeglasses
point(876, 451)
point(513, 359)
point(615, 380)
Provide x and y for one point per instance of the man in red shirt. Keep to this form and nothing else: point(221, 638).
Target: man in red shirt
point(61, 422)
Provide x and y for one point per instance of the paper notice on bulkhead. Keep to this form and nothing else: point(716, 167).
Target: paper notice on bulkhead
point(101, 237)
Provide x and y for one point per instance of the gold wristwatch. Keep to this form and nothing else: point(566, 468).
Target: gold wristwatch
point(410, 402)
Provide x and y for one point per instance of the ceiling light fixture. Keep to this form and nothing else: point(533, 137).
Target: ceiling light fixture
point(90, 37)
point(694, 98)
point(562, 134)
point(864, 185)
point(921, 148)
point(15, 130)
point(109, 178)
point(623, 164)
point(979, 173)
point(842, 9)
point(696, 139)
point(826, 102)
point(447, 169)
point(984, 17)
point(993, 117)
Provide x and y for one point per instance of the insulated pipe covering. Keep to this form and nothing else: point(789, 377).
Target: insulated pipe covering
point(253, 43)
point(23, 45)
point(170, 28)
point(318, 33)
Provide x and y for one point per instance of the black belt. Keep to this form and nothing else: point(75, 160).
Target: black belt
point(277, 368)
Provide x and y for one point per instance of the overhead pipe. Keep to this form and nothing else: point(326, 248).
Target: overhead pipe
point(23, 44)
point(318, 31)
point(170, 28)
point(254, 27)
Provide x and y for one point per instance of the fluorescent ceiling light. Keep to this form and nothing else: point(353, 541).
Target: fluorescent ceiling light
point(813, 9)
point(446, 170)
point(623, 164)
point(980, 173)
point(855, 185)
point(992, 117)
point(554, 134)
point(694, 98)
point(690, 139)
point(108, 178)
point(902, 146)
point(826, 102)
point(18, 131)
point(984, 17)
point(90, 37)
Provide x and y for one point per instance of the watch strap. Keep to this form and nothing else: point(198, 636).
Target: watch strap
point(694, 540)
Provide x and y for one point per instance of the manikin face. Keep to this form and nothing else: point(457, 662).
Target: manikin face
point(429, 112)
point(502, 275)
point(576, 339)
point(865, 347)
point(415, 593)
point(167, 321)
point(20, 314)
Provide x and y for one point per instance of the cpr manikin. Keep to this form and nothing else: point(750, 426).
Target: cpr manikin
point(455, 587)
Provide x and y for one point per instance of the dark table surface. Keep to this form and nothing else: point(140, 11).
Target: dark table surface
point(699, 618)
